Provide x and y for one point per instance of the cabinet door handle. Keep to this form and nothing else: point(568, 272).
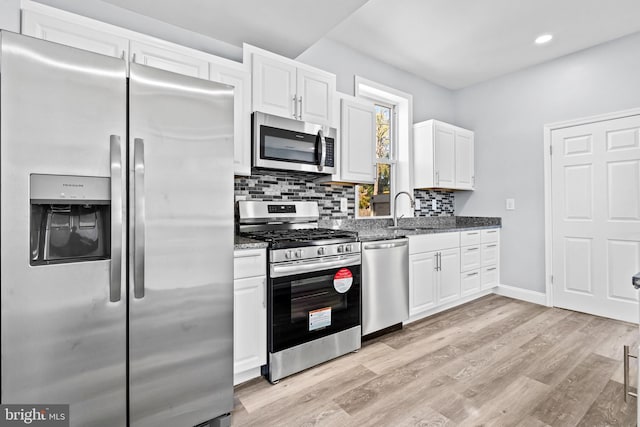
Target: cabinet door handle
point(300, 109)
point(492, 246)
point(295, 107)
point(264, 294)
point(471, 249)
point(491, 269)
point(472, 234)
point(475, 273)
point(437, 177)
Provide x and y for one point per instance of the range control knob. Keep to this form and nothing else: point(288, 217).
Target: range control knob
point(347, 248)
point(340, 249)
point(288, 254)
point(299, 253)
point(321, 251)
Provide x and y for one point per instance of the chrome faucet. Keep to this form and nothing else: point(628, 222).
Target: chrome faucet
point(395, 206)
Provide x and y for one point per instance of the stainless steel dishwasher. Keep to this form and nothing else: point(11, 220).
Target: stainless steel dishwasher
point(385, 284)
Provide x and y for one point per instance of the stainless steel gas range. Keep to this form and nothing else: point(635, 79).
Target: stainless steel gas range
point(313, 288)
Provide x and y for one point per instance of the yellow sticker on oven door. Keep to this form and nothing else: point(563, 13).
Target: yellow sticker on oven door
point(320, 318)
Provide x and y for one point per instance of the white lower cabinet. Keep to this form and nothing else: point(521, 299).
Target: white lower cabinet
point(422, 282)
point(449, 280)
point(470, 282)
point(490, 256)
point(489, 277)
point(447, 269)
point(434, 271)
point(249, 314)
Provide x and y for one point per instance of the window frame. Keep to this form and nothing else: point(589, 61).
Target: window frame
point(392, 161)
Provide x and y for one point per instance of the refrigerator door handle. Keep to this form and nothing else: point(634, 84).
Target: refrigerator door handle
point(116, 218)
point(139, 219)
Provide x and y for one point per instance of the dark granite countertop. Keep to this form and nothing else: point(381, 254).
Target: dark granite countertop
point(378, 229)
point(244, 243)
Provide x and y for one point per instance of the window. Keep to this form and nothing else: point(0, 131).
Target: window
point(375, 199)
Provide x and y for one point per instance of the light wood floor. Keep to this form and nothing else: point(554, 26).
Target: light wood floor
point(492, 362)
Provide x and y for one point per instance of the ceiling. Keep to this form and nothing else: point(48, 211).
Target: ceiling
point(454, 43)
point(286, 27)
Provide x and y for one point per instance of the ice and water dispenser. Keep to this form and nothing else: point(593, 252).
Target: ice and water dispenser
point(70, 218)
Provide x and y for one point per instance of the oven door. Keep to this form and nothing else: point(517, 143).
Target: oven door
point(310, 300)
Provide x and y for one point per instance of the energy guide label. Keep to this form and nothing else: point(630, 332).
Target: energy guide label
point(320, 318)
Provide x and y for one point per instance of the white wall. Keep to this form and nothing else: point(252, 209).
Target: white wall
point(508, 115)
point(10, 15)
point(430, 101)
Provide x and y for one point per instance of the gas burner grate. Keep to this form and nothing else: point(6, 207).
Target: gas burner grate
point(302, 237)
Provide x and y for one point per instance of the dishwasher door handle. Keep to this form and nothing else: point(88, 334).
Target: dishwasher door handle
point(386, 245)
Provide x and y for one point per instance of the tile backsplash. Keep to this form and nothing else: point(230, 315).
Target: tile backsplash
point(444, 202)
point(280, 185)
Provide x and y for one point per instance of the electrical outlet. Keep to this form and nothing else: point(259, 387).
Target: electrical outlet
point(434, 204)
point(417, 204)
point(343, 204)
point(511, 204)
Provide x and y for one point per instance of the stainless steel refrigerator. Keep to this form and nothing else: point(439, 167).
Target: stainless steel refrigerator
point(116, 238)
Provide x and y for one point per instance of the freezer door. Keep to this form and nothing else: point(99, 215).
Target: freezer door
point(181, 248)
point(63, 333)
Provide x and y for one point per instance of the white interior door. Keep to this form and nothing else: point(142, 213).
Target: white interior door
point(596, 217)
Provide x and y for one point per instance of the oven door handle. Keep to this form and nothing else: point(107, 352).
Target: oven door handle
point(292, 269)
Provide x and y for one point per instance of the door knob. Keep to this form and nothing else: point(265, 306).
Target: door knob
point(636, 281)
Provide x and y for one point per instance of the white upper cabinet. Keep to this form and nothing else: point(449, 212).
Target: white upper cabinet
point(274, 87)
point(177, 60)
point(315, 94)
point(444, 152)
point(87, 35)
point(465, 165)
point(238, 76)
point(357, 141)
point(443, 156)
point(286, 88)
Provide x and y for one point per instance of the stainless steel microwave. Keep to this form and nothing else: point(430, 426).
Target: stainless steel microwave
point(281, 143)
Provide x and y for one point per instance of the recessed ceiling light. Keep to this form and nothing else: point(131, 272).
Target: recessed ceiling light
point(545, 38)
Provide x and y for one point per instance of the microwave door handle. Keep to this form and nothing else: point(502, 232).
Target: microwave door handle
point(321, 149)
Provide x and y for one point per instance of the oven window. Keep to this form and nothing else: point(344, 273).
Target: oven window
point(304, 307)
point(311, 295)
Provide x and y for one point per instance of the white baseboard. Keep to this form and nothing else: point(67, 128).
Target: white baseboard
point(521, 294)
point(241, 377)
